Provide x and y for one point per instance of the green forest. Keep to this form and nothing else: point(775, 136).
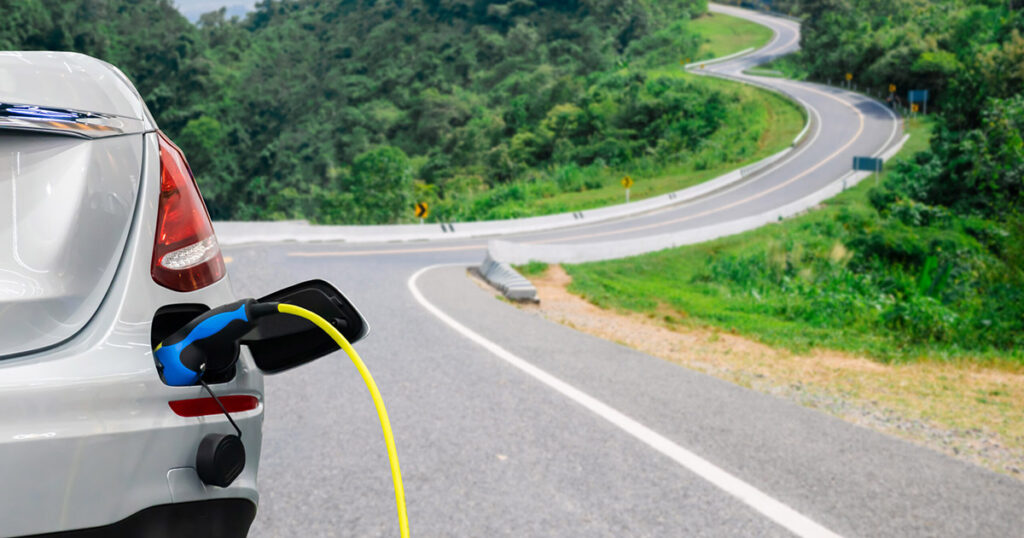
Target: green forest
point(930, 263)
point(351, 111)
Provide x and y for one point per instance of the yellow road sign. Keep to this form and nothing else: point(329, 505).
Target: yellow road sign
point(892, 88)
point(702, 66)
point(849, 76)
point(627, 182)
point(422, 209)
point(914, 107)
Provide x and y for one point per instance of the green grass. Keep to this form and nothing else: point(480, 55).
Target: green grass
point(727, 35)
point(678, 286)
point(532, 268)
point(788, 66)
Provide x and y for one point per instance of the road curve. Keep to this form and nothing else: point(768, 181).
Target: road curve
point(491, 447)
point(843, 124)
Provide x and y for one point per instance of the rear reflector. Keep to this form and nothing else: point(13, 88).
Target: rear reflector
point(198, 407)
point(186, 256)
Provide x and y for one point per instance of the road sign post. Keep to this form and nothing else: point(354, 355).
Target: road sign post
point(918, 97)
point(849, 78)
point(422, 210)
point(627, 182)
point(869, 164)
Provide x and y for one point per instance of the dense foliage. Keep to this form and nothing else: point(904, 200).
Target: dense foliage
point(343, 111)
point(951, 217)
point(918, 281)
point(929, 263)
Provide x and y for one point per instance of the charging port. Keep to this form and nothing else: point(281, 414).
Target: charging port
point(168, 319)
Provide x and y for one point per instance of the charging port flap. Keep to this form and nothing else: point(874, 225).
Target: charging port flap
point(280, 343)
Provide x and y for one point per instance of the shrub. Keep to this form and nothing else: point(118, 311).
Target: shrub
point(922, 319)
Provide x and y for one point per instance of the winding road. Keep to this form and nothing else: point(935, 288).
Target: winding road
point(508, 425)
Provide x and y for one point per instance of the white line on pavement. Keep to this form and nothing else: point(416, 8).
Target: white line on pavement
point(774, 510)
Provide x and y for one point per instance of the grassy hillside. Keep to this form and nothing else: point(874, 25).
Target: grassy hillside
point(756, 124)
point(846, 277)
point(724, 35)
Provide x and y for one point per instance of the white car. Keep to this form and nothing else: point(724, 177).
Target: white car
point(106, 248)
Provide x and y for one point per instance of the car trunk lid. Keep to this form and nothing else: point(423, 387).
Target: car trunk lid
point(71, 152)
point(66, 205)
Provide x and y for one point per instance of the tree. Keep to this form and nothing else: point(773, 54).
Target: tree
point(381, 185)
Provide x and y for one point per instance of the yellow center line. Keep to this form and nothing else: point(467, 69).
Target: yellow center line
point(752, 197)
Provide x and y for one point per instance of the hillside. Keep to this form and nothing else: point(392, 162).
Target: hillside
point(928, 265)
point(347, 112)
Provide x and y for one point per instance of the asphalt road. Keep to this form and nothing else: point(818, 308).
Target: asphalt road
point(556, 433)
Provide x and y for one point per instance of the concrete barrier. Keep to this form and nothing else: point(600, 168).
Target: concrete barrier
point(507, 280)
point(760, 165)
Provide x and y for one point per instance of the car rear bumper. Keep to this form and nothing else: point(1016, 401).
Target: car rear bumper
point(88, 438)
point(220, 518)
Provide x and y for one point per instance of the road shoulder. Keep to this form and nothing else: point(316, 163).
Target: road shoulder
point(929, 403)
point(850, 479)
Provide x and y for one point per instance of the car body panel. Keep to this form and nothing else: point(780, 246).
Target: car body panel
point(87, 437)
point(65, 208)
point(68, 80)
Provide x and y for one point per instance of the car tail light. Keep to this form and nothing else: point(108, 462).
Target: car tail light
point(186, 256)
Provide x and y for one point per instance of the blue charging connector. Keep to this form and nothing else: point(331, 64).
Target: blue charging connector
point(208, 343)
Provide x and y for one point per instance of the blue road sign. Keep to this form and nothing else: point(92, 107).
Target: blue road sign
point(917, 96)
point(870, 164)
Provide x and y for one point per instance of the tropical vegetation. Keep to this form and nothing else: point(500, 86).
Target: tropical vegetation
point(930, 263)
point(350, 111)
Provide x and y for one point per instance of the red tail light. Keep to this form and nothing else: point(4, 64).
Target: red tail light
point(186, 256)
point(235, 403)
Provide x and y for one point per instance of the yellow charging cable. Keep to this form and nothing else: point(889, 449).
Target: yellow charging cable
point(378, 402)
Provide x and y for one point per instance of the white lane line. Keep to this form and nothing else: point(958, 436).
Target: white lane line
point(774, 510)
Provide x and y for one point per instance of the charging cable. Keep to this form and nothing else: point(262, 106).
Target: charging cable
point(378, 402)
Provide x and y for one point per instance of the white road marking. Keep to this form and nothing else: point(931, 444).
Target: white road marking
point(771, 508)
